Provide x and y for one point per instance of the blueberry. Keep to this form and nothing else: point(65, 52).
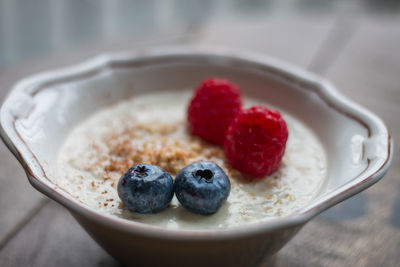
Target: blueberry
point(202, 187)
point(146, 188)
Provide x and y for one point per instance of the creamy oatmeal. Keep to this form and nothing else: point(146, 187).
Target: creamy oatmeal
point(151, 129)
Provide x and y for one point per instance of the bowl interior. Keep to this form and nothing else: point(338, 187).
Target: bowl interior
point(46, 108)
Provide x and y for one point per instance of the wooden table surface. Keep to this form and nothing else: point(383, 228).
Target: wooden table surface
point(359, 54)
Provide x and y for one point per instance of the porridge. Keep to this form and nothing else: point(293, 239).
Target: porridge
point(152, 129)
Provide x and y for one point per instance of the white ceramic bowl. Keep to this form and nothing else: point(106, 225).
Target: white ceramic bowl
point(41, 110)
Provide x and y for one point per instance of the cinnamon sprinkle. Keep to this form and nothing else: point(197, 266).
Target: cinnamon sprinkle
point(161, 144)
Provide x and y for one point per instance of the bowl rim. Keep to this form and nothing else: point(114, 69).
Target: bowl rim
point(377, 130)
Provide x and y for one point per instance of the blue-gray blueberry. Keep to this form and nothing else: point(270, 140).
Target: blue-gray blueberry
point(146, 188)
point(202, 187)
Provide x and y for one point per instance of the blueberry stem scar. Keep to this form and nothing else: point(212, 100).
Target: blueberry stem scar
point(205, 174)
point(141, 171)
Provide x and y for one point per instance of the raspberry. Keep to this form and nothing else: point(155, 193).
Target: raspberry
point(214, 105)
point(255, 141)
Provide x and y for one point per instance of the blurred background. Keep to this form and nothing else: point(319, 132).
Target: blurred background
point(353, 43)
point(36, 29)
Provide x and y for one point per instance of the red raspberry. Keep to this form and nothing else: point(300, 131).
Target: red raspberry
point(255, 141)
point(214, 105)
